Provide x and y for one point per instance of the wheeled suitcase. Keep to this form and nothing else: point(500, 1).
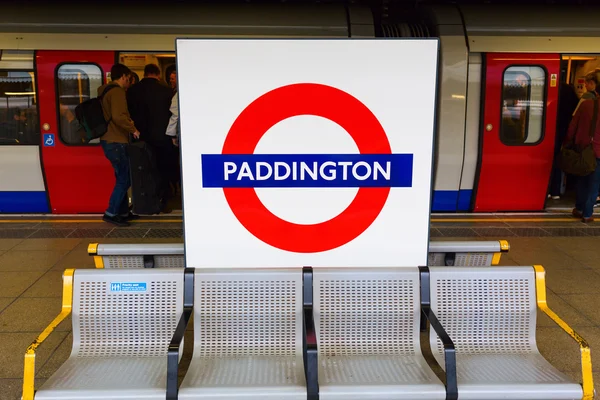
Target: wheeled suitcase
point(145, 179)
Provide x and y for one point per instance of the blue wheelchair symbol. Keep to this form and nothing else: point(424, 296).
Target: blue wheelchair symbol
point(49, 139)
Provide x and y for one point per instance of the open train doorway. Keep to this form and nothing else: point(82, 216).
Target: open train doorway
point(572, 89)
point(136, 62)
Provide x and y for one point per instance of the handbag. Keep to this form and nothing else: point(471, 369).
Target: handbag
point(576, 161)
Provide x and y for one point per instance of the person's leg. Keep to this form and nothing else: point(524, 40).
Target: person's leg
point(163, 165)
point(176, 170)
point(580, 195)
point(555, 181)
point(124, 180)
point(115, 153)
point(593, 185)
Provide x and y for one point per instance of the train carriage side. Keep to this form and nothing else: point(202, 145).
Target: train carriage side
point(505, 73)
point(51, 61)
point(500, 75)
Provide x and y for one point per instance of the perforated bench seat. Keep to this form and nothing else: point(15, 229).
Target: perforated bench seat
point(490, 314)
point(247, 377)
point(137, 255)
point(367, 325)
point(378, 377)
point(466, 253)
point(512, 376)
point(247, 336)
point(123, 321)
point(107, 378)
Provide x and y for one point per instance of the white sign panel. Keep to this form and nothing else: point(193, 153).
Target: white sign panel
point(306, 152)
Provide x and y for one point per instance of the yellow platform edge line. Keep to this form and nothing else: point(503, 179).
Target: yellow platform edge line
point(504, 220)
point(586, 357)
point(75, 221)
point(79, 221)
point(29, 367)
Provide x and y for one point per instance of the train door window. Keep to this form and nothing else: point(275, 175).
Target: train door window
point(19, 122)
point(523, 105)
point(76, 83)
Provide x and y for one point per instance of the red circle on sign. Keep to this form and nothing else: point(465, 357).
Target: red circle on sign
point(306, 99)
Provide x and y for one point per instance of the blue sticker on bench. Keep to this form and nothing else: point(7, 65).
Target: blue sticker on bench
point(128, 287)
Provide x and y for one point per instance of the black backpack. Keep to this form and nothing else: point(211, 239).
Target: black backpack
point(91, 116)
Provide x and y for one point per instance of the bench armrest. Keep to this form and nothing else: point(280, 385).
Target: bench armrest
point(310, 352)
point(449, 353)
point(173, 354)
point(93, 251)
point(311, 357)
point(586, 358)
point(29, 369)
point(175, 344)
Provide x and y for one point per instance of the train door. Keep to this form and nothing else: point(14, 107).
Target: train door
point(78, 176)
point(519, 123)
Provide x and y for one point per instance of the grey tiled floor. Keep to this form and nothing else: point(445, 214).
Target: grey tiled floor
point(30, 290)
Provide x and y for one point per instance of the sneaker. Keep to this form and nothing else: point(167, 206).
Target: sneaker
point(555, 197)
point(577, 214)
point(116, 220)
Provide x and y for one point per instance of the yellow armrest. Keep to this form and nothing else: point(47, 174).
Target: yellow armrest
point(504, 247)
point(93, 251)
point(496, 258)
point(98, 262)
point(67, 301)
point(586, 357)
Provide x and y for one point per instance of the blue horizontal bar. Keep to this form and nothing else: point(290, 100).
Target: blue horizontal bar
point(306, 170)
point(23, 202)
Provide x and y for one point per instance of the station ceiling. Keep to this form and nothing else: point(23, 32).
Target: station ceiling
point(408, 3)
point(382, 9)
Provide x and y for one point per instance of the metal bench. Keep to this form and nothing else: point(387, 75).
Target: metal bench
point(332, 333)
point(137, 255)
point(256, 335)
point(123, 321)
point(248, 343)
point(466, 253)
point(490, 314)
point(367, 327)
point(161, 255)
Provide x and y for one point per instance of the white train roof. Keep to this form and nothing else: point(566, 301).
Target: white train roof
point(523, 28)
point(154, 27)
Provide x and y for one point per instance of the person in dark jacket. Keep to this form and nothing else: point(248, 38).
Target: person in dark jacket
point(149, 102)
point(566, 107)
point(579, 132)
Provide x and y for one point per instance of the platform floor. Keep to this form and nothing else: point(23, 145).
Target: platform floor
point(555, 224)
point(34, 254)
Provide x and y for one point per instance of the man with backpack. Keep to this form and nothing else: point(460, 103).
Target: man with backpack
point(114, 142)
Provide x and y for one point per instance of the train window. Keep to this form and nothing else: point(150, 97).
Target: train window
point(523, 105)
point(19, 122)
point(76, 83)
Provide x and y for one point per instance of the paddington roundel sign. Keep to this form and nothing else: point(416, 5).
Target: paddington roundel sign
point(238, 171)
point(306, 152)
